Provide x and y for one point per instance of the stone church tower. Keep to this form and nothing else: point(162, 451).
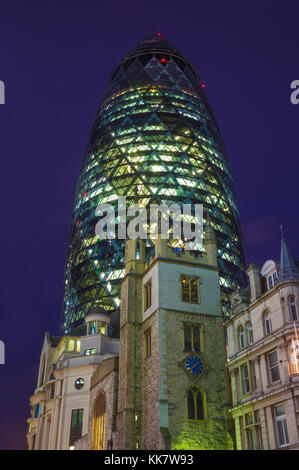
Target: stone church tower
point(172, 386)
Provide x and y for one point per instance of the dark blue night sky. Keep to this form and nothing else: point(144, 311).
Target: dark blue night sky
point(55, 59)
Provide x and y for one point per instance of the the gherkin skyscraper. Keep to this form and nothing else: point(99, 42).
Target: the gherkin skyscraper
point(155, 138)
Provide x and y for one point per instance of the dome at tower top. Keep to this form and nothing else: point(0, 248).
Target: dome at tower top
point(154, 42)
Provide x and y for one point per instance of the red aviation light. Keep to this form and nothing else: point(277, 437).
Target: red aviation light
point(203, 85)
point(163, 60)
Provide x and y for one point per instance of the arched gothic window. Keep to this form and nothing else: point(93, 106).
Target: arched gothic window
point(195, 404)
point(98, 423)
point(192, 338)
point(190, 289)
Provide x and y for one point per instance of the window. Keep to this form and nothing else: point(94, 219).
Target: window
point(272, 280)
point(90, 352)
point(92, 328)
point(252, 375)
point(36, 411)
point(195, 404)
point(245, 379)
point(99, 423)
point(102, 327)
point(51, 391)
point(73, 345)
point(249, 333)
point(267, 323)
point(190, 289)
point(241, 337)
point(273, 367)
point(147, 295)
point(137, 250)
point(147, 343)
point(76, 425)
point(259, 436)
point(281, 426)
point(185, 289)
point(292, 309)
point(192, 338)
point(250, 432)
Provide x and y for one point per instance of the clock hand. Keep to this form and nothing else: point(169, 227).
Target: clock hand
point(198, 362)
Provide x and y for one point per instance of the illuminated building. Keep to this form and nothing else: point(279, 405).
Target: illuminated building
point(263, 356)
point(154, 138)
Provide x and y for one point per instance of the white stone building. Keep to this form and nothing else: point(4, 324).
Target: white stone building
point(60, 404)
point(263, 356)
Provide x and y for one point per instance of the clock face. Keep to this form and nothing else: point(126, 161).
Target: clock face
point(194, 365)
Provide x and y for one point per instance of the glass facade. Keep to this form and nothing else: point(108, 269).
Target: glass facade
point(154, 139)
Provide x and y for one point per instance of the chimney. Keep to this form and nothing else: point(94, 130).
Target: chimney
point(253, 272)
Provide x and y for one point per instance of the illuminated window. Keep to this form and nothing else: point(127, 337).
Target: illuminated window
point(273, 365)
point(90, 352)
point(73, 345)
point(137, 250)
point(76, 426)
point(292, 308)
point(192, 338)
point(99, 423)
point(92, 328)
point(185, 289)
point(147, 295)
point(36, 411)
point(147, 343)
point(190, 289)
point(195, 404)
point(102, 327)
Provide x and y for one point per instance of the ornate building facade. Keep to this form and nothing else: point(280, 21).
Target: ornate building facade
point(163, 385)
point(263, 356)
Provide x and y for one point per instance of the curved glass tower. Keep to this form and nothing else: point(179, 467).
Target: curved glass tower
point(154, 138)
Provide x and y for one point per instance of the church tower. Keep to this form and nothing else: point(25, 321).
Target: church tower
point(172, 386)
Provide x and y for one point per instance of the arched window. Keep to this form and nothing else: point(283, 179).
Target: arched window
point(241, 337)
point(190, 289)
point(249, 333)
point(98, 423)
point(267, 323)
point(195, 404)
point(185, 289)
point(192, 338)
point(292, 308)
point(194, 291)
